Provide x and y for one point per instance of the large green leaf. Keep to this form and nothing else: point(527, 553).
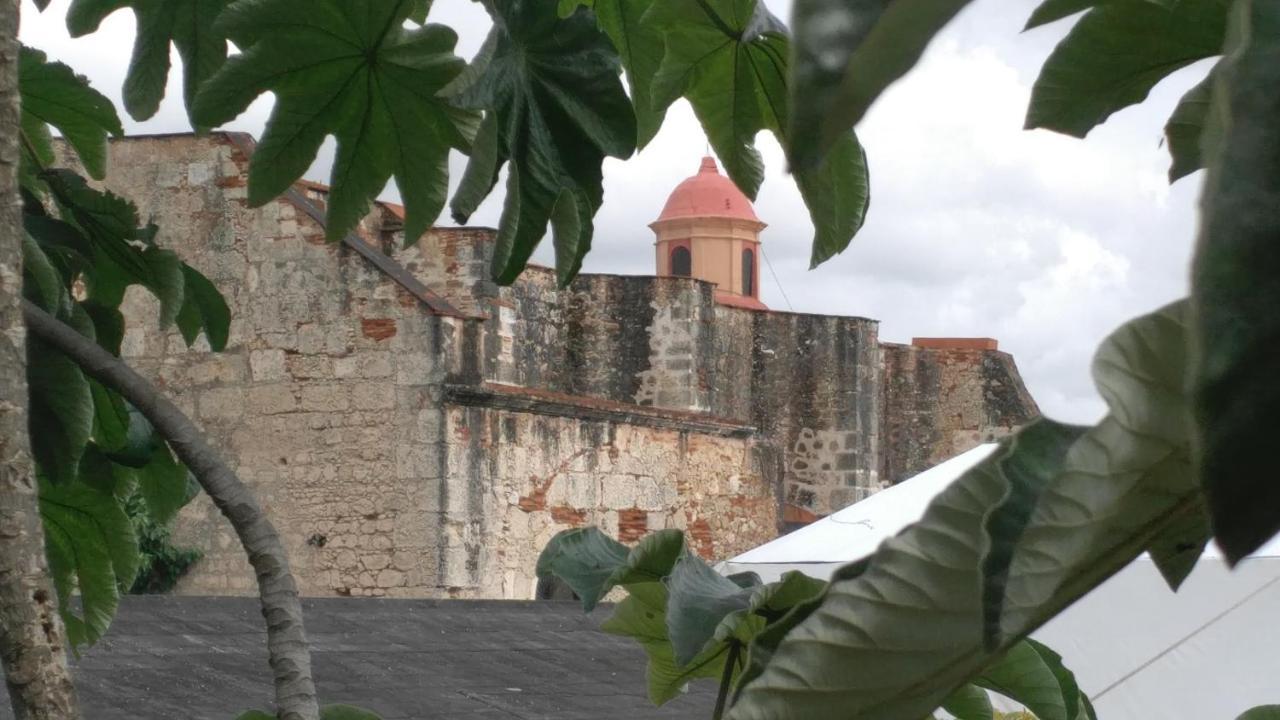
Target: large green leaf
point(969, 702)
point(42, 284)
point(847, 53)
point(92, 549)
point(1022, 675)
point(1052, 10)
point(1109, 493)
point(592, 563)
point(61, 411)
point(698, 599)
point(558, 109)
point(162, 482)
point(1236, 289)
point(53, 94)
point(640, 45)
point(1115, 54)
point(187, 24)
point(351, 69)
point(642, 617)
point(730, 58)
point(203, 310)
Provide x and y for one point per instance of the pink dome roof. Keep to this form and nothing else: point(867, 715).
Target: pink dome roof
point(708, 194)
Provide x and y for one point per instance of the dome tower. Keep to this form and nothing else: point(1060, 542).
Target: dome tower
point(709, 231)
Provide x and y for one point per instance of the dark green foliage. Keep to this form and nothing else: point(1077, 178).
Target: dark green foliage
point(161, 564)
point(187, 24)
point(350, 69)
point(52, 94)
point(1115, 54)
point(552, 91)
point(1236, 290)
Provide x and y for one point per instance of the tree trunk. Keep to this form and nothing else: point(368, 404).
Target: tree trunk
point(287, 648)
point(31, 634)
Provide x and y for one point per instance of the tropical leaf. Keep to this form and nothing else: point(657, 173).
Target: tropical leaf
point(698, 600)
point(969, 702)
point(592, 563)
point(1052, 10)
point(729, 58)
point(162, 483)
point(559, 108)
point(1104, 495)
point(42, 284)
point(642, 617)
point(847, 53)
point(640, 45)
point(53, 94)
point(203, 310)
point(350, 69)
point(1236, 332)
point(1022, 675)
point(92, 549)
point(189, 25)
point(60, 417)
point(1115, 54)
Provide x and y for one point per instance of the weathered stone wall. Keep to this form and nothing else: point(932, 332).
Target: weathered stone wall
point(814, 391)
point(940, 401)
point(330, 399)
point(525, 465)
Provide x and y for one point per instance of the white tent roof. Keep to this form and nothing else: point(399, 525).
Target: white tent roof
point(1137, 649)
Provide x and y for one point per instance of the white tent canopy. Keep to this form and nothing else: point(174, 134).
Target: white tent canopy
point(1138, 650)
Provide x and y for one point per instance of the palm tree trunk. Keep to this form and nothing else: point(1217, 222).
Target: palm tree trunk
point(32, 647)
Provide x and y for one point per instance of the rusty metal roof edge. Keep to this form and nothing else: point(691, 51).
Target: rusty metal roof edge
point(389, 267)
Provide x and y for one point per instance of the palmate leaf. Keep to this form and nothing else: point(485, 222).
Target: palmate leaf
point(558, 109)
point(1105, 494)
point(847, 53)
point(92, 549)
point(347, 68)
point(53, 94)
point(592, 563)
point(187, 24)
point(640, 45)
point(1115, 54)
point(1235, 288)
point(729, 58)
point(60, 418)
point(969, 702)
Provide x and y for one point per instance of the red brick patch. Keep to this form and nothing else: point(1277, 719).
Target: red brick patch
point(378, 328)
point(632, 525)
point(566, 515)
point(699, 536)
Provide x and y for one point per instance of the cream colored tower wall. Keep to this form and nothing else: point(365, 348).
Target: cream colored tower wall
point(716, 246)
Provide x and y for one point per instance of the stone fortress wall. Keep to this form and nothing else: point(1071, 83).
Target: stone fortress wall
point(416, 431)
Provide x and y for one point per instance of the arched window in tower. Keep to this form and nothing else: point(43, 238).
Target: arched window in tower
point(749, 273)
point(681, 262)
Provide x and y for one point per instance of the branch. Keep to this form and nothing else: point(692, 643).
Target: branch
point(290, 656)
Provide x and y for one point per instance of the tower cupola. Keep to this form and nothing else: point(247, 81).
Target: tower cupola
point(709, 231)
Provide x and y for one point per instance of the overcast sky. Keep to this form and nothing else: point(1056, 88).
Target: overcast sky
point(976, 228)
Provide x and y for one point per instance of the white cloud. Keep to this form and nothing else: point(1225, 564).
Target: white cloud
point(976, 227)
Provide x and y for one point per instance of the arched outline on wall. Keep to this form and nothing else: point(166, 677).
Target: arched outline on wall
point(681, 261)
point(749, 272)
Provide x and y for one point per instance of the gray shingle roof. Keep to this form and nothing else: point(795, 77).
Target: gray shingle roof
point(170, 658)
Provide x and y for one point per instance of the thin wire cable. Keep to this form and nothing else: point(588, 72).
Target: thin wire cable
point(1190, 635)
point(775, 279)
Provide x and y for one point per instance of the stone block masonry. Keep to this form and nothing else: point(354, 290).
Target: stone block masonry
point(415, 430)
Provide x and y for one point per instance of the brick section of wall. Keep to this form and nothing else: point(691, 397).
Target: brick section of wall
point(938, 403)
point(517, 478)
